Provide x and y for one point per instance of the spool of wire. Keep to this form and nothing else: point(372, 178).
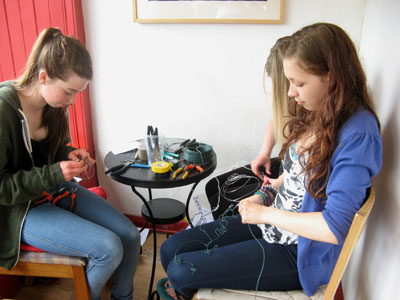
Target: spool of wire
point(198, 153)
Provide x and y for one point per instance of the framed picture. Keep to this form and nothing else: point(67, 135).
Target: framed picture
point(206, 11)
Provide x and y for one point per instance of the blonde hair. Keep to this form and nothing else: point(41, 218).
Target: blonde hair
point(280, 86)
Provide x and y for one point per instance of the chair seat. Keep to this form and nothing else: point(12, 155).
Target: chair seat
point(227, 294)
point(50, 258)
point(27, 247)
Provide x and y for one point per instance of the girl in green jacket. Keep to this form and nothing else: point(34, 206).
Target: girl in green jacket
point(35, 161)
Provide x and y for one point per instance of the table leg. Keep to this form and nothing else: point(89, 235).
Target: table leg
point(143, 200)
point(188, 201)
point(153, 269)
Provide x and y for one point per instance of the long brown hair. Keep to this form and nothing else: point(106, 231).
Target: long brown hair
point(325, 49)
point(58, 55)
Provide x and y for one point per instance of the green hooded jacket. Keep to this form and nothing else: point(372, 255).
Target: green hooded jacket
point(20, 180)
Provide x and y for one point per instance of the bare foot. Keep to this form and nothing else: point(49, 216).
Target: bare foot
point(170, 290)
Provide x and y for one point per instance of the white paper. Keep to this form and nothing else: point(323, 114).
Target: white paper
point(143, 235)
point(124, 147)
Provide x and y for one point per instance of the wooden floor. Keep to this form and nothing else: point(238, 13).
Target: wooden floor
point(63, 289)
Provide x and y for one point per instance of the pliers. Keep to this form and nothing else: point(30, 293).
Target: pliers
point(119, 169)
point(56, 196)
point(179, 170)
point(184, 144)
point(187, 169)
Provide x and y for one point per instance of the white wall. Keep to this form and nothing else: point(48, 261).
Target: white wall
point(375, 268)
point(200, 81)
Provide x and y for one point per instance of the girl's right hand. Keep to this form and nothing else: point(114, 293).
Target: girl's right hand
point(259, 161)
point(251, 210)
point(71, 169)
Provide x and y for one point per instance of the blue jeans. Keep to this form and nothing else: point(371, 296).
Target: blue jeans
point(227, 254)
point(95, 230)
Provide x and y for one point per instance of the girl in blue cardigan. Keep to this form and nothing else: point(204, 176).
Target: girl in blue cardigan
point(290, 238)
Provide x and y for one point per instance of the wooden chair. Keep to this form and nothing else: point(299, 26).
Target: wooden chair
point(44, 264)
point(36, 262)
point(326, 292)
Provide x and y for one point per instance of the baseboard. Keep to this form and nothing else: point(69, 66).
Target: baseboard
point(139, 221)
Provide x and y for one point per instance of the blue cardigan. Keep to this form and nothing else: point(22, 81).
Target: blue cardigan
point(357, 158)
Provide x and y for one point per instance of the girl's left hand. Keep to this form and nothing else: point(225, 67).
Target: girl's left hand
point(81, 154)
point(251, 209)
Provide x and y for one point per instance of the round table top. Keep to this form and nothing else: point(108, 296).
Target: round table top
point(145, 178)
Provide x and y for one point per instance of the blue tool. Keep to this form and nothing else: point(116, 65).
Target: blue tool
point(140, 166)
point(171, 154)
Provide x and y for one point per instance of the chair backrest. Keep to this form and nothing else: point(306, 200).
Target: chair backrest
point(350, 242)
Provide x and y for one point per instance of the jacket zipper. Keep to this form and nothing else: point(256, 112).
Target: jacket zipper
point(28, 145)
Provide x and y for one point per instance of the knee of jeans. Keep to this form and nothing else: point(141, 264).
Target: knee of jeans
point(167, 252)
point(110, 249)
point(179, 274)
point(131, 237)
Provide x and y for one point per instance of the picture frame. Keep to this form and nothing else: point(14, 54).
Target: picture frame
point(200, 11)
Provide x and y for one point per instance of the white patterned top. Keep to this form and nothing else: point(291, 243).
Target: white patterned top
point(290, 198)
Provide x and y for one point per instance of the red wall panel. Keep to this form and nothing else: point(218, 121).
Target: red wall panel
point(16, 35)
point(6, 55)
point(27, 12)
point(41, 14)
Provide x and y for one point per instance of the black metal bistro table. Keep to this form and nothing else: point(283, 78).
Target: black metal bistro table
point(159, 210)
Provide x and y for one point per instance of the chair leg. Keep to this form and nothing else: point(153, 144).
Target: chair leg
point(29, 280)
point(80, 282)
point(339, 292)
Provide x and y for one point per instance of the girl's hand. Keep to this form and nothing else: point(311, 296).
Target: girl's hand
point(275, 182)
point(81, 154)
point(250, 210)
point(271, 181)
point(71, 169)
point(259, 161)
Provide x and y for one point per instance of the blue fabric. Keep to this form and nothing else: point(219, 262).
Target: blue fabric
point(94, 230)
point(234, 260)
point(357, 158)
